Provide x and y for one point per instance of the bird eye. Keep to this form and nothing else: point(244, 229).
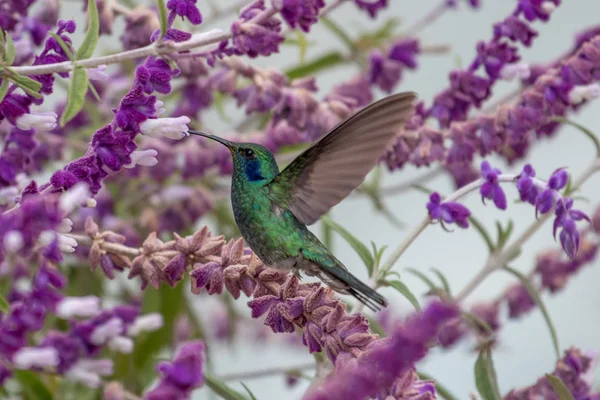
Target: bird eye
point(248, 153)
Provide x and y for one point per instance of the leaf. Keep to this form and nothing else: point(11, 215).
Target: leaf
point(339, 32)
point(443, 279)
point(248, 390)
point(10, 53)
point(326, 61)
point(302, 46)
point(583, 129)
point(538, 300)
point(405, 291)
point(3, 88)
point(4, 306)
point(31, 86)
point(483, 232)
point(442, 391)
point(377, 254)
point(77, 91)
point(559, 387)
point(65, 48)
point(360, 248)
point(327, 233)
point(485, 376)
point(91, 35)
point(503, 234)
point(94, 92)
point(424, 278)
point(32, 385)
point(162, 12)
point(220, 388)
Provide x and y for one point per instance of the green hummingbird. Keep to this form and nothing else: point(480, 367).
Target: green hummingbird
point(272, 209)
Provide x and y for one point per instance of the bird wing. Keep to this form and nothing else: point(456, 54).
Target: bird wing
point(325, 173)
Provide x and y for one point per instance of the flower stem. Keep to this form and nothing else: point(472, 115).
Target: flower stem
point(157, 49)
point(241, 376)
point(427, 19)
point(498, 260)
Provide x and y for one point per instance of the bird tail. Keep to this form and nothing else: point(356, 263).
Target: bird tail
point(334, 273)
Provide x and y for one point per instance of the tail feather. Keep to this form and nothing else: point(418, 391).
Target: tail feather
point(332, 272)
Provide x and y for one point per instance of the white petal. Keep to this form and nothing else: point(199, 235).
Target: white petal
point(74, 197)
point(41, 121)
point(145, 323)
point(70, 307)
point(65, 226)
point(66, 244)
point(13, 241)
point(121, 344)
point(173, 128)
point(143, 157)
point(513, 71)
point(41, 357)
point(584, 92)
point(97, 74)
point(103, 333)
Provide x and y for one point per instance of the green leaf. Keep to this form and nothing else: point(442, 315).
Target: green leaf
point(584, 130)
point(405, 291)
point(252, 396)
point(503, 234)
point(10, 53)
point(339, 32)
point(4, 88)
point(302, 43)
point(559, 387)
point(91, 36)
point(326, 61)
point(4, 306)
point(162, 12)
point(424, 278)
point(32, 385)
point(377, 255)
point(31, 86)
point(224, 391)
point(485, 376)
point(442, 391)
point(483, 232)
point(443, 279)
point(77, 91)
point(538, 300)
point(94, 92)
point(65, 48)
point(360, 248)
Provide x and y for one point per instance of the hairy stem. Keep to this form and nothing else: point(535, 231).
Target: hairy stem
point(498, 260)
point(259, 373)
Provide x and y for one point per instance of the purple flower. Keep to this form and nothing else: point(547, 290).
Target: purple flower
point(451, 212)
point(528, 190)
point(140, 23)
point(566, 219)
point(572, 369)
point(536, 9)
point(516, 30)
point(519, 301)
point(254, 37)
point(384, 360)
point(182, 375)
point(372, 7)
point(547, 198)
point(491, 189)
point(185, 9)
point(302, 13)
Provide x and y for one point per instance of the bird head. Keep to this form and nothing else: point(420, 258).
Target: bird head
point(251, 161)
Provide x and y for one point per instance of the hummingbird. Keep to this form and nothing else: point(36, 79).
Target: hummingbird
point(272, 209)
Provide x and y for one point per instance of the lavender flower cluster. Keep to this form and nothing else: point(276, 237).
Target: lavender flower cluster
point(103, 191)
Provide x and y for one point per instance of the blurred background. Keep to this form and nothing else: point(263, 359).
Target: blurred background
point(525, 350)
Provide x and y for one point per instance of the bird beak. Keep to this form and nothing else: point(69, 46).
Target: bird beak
point(224, 142)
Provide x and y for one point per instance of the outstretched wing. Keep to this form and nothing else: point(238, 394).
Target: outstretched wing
point(325, 173)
